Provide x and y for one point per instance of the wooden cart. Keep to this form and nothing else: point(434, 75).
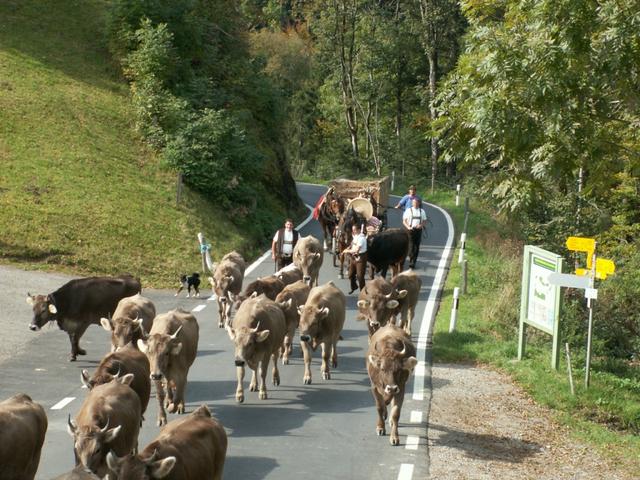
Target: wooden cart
point(378, 190)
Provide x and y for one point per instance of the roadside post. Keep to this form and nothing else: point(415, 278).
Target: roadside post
point(454, 309)
point(205, 248)
point(540, 299)
point(393, 180)
point(458, 186)
point(463, 239)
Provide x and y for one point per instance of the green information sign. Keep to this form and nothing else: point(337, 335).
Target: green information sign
point(540, 300)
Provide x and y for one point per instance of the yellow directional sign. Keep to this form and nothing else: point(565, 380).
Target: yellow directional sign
point(604, 268)
point(581, 244)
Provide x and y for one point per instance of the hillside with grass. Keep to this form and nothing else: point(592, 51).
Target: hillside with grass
point(79, 191)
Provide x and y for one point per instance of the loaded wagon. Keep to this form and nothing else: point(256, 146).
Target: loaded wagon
point(376, 191)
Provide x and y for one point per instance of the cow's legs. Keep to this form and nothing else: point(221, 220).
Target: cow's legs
point(74, 338)
point(396, 406)
point(220, 314)
point(382, 411)
point(177, 396)
point(334, 354)
point(410, 314)
point(306, 352)
point(262, 367)
point(326, 352)
point(286, 345)
point(162, 415)
point(253, 385)
point(275, 373)
point(239, 389)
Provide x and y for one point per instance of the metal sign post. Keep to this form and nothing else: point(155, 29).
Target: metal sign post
point(587, 373)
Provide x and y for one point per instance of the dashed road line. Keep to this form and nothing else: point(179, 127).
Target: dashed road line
point(63, 403)
point(199, 308)
point(412, 442)
point(406, 471)
point(416, 416)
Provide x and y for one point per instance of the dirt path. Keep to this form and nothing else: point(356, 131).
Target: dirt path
point(481, 426)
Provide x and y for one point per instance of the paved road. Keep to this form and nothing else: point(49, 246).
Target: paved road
point(326, 429)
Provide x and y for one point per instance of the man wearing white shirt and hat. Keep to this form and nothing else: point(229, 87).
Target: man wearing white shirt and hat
point(283, 244)
point(414, 220)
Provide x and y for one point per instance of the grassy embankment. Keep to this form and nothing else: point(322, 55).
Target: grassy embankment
point(78, 190)
point(606, 415)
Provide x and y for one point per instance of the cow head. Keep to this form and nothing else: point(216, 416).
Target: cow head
point(220, 285)
point(246, 342)
point(92, 442)
point(44, 310)
point(124, 330)
point(311, 318)
point(136, 467)
point(393, 368)
point(160, 348)
point(104, 374)
point(377, 303)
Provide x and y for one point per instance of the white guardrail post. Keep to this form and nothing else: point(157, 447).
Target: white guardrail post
point(458, 186)
point(463, 239)
point(454, 309)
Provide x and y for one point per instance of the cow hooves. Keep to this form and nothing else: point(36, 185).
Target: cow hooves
point(307, 380)
point(82, 351)
point(180, 409)
point(285, 361)
point(326, 375)
point(341, 276)
point(394, 441)
point(72, 358)
point(221, 325)
point(380, 431)
point(253, 388)
point(161, 422)
point(276, 381)
point(171, 408)
point(263, 395)
point(239, 397)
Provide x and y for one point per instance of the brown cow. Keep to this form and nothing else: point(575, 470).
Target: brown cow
point(171, 347)
point(269, 286)
point(124, 360)
point(130, 322)
point(79, 303)
point(410, 282)
point(390, 360)
point(80, 473)
point(321, 321)
point(190, 448)
point(23, 425)
point(289, 299)
point(289, 274)
point(307, 256)
point(257, 331)
point(226, 283)
point(378, 303)
point(108, 419)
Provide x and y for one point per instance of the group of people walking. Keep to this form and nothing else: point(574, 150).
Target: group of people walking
point(414, 219)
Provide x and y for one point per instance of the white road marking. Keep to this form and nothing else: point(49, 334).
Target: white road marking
point(63, 403)
point(199, 308)
point(412, 442)
point(406, 471)
point(267, 254)
point(416, 416)
point(430, 310)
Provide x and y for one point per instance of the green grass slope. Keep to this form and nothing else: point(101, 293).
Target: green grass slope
point(78, 190)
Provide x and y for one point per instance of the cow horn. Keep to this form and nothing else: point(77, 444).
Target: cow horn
point(106, 427)
point(175, 334)
point(137, 322)
point(257, 327)
point(71, 426)
point(153, 457)
point(388, 296)
point(404, 349)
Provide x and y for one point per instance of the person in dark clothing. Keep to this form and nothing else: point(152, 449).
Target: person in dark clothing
point(284, 241)
point(414, 219)
point(358, 252)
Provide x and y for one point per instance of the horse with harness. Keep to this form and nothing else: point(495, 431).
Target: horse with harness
point(331, 208)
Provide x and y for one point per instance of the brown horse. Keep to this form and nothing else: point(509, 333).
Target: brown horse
point(329, 215)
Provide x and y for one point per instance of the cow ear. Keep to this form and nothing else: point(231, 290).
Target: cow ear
point(363, 304)
point(300, 309)
point(262, 336)
point(317, 254)
point(324, 312)
point(142, 346)
point(53, 309)
point(175, 350)
point(84, 378)
point(113, 462)
point(229, 277)
point(373, 360)
point(125, 379)
point(232, 333)
point(162, 468)
point(212, 281)
point(402, 293)
point(111, 434)
point(30, 300)
point(392, 304)
point(409, 363)
point(254, 295)
point(106, 324)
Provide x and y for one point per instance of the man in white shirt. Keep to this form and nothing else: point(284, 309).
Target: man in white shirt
point(358, 263)
point(283, 243)
point(414, 220)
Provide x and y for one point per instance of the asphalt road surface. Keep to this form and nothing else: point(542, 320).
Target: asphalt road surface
point(323, 430)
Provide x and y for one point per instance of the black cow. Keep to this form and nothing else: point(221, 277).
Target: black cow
point(388, 249)
point(79, 303)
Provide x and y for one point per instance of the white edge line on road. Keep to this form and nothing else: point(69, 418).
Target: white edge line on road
point(267, 254)
point(430, 311)
point(63, 403)
point(416, 416)
point(406, 471)
point(199, 308)
point(412, 442)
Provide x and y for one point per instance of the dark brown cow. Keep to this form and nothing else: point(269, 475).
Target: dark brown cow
point(79, 303)
point(289, 299)
point(390, 360)
point(226, 283)
point(388, 249)
point(23, 425)
point(289, 274)
point(378, 303)
point(321, 321)
point(109, 419)
point(190, 448)
point(257, 331)
point(410, 282)
point(171, 347)
point(307, 256)
point(268, 286)
point(117, 364)
point(80, 473)
point(131, 321)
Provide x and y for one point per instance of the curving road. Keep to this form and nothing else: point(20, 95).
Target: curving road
point(325, 430)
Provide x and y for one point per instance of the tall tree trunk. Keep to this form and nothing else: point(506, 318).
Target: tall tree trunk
point(435, 148)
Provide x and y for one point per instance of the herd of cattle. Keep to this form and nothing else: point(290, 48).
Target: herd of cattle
point(148, 347)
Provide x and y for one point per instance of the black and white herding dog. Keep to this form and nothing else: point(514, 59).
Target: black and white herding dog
point(187, 282)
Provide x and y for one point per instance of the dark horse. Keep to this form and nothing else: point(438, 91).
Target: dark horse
point(343, 235)
point(329, 215)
